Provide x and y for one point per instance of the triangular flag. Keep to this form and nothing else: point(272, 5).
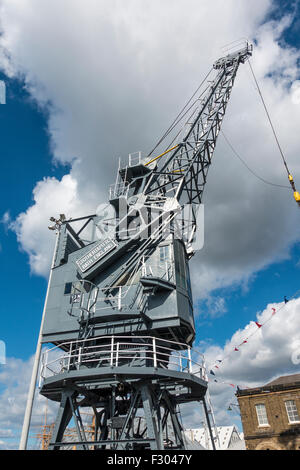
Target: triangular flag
point(212, 372)
point(218, 360)
point(258, 324)
point(236, 349)
point(245, 341)
point(274, 311)
point(216, 367)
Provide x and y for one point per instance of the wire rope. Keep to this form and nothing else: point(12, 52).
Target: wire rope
point(269, 118)
point(251, 171)
point(179, 117)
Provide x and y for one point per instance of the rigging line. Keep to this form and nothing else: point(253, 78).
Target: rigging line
point(175, 122)
point(251, 171)
point(182, 128)
point(190, 117)
point(179, 118)
point(269, 118)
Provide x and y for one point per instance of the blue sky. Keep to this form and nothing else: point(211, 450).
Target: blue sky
point(92, 102)
point(291, 36)
point(26, 159)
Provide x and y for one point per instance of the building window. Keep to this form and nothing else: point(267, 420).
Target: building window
point(164, 253)
point(261, 415)
point(68, 288)
point(292, 412)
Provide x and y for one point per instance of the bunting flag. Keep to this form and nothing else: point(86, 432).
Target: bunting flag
point(220, 382)
point(212, 372)
point(259, 326)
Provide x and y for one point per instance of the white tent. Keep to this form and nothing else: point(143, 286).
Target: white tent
point(229, 438)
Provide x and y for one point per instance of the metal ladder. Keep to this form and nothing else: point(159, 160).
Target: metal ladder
point(211, 422)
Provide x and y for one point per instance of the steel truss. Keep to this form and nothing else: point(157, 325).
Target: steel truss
point(183, 175)
point(134, 416)
point(133, 385)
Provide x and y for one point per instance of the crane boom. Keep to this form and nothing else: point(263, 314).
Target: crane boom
point(183, 174)
point(176, 178)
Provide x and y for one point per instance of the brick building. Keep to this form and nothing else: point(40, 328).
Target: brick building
point(271, 414)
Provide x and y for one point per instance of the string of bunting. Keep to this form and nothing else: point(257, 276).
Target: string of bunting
point(217, 364)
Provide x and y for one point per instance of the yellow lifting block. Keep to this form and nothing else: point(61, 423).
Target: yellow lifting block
point(290, 178)
point(297, 196)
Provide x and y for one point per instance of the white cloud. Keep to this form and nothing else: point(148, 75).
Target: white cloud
point(6, 433)
point(14, 385)
point(113, 76)
point(50, 198)
point(215, 306)
point(6, 218)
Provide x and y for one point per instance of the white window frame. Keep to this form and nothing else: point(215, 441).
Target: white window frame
point(164, 253)
point(261, 413)
point(292, 411)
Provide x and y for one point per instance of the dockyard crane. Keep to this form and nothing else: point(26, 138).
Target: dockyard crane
point(119, 309)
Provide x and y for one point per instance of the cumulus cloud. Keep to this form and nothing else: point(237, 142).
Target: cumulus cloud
point(270, 352)
point(113, 76)
point(266, 355)
point(50, 197)
point(14, 385)
point(215, 306)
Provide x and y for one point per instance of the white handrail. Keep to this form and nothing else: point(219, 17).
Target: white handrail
point(177, 343)
point(190, 360)
point(116, 352)
point(112, 352)
point(154, 353)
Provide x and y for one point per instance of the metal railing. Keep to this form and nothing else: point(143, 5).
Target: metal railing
point(118, 189)
point(154, 268)
point(97, 298)
point(135, 158)
point(116, 351)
